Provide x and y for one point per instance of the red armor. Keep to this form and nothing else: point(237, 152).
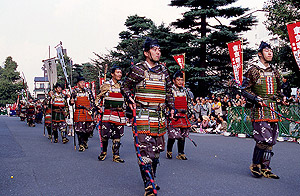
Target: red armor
point(81, 113)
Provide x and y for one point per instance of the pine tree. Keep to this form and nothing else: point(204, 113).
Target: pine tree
point(207, 52)
point(130, 47)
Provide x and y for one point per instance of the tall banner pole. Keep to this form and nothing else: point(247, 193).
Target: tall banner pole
point(60, 56)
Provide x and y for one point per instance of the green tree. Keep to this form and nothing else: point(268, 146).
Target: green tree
point(10, 82)
point(208, 53)
point(130, 47)
point(279, 13)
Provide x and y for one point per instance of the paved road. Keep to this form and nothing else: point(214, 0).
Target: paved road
point(218, 166)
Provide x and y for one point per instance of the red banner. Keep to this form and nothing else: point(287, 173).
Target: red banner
point(93, 88)
point(180, 59)
point(294, 35)
point(235, 52)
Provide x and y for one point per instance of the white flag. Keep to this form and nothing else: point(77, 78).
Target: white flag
point(50, 66)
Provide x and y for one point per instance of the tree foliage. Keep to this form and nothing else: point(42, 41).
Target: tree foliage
point(204, 41)
point(87, 70)
point(10, 82)
point(208, 54)
point(279, 13)
point(130, 47)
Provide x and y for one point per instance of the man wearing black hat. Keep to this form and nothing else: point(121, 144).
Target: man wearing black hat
point(261, 85)
point(113, 118)
point(178, 128)
point(84, 102)
point(60, 110)
point(151, 83)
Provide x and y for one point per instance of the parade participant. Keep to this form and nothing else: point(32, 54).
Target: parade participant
point(60, 110)
point(48, 114)
point(178, 128)
point(22, 110)
point(262, 84)
point(30, 113)
point(84, 102)
point(39, 112)
point(152, 86)
point(113, 119)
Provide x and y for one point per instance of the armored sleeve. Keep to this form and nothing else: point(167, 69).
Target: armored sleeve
point(169, 93)
point(135, 75)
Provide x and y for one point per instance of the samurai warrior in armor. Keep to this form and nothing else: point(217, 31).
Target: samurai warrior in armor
point(178, 128)
point(113, 118)
point(84, 102)
point(261, 85)
point(147, 87)
point(60, 110)
point(30, 113)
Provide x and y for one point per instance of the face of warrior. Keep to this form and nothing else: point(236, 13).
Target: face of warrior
point(266, 54)
point(284, 80)
point(58, 89)
point(153, 54)
point(81, 84)
point(178, 82)
point(117, 75)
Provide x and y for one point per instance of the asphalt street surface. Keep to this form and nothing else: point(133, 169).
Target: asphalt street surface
point(31, 165)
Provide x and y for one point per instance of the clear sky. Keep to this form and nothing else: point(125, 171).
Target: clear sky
point(29, 27)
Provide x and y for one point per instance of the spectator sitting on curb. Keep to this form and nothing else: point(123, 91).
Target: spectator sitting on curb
point(222, 125)
point(197, 126)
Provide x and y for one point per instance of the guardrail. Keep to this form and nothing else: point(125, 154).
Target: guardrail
point(239, 121)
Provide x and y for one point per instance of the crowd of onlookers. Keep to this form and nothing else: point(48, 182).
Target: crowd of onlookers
point(210, 113)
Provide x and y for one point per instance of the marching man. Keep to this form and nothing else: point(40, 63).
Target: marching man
point(60, 110)
point(151, 83)
point(178, 128)
point(84, 102)
point(262, 84)
point(113, 119)
point(30, 113)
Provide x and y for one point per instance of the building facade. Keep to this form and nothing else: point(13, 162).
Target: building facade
point(41, 87)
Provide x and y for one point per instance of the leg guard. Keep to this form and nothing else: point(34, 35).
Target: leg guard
point(255, 167)
point(180, 144)
point(258, 153)
point(116, 154)
point(49, 132)
point(104, 144)
point(80, 141)
point(266, 159)
point(145, 176)
point(116, 146)
point(103, 154)
point(170, 144)
point(85, 138)
point(155, 162)
point(55, 134)
point(169, 148)
point(147, 181)
point(63, 136)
